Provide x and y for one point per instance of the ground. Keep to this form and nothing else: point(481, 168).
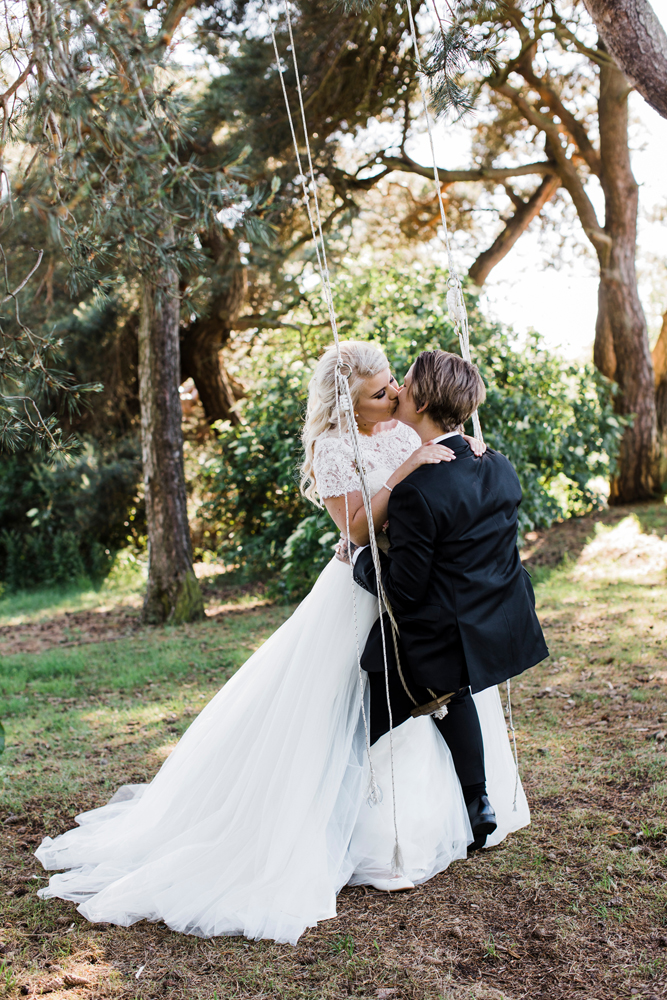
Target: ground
point(571, 907)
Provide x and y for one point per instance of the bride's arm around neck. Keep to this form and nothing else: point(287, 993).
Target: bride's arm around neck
point(337, 478)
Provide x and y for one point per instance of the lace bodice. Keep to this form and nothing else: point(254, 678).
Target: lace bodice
point(335, 468)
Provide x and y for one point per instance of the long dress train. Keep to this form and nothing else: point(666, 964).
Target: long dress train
point(259, 815)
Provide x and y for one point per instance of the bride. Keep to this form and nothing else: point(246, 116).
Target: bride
point(260, 815)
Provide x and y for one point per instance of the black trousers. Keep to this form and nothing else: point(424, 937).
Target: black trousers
point(460, 728)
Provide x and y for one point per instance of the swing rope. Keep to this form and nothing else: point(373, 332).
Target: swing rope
point(457, 311)
point(456, 305)
point(344, 404)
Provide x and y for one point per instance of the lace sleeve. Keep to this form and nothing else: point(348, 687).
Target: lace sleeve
point(334, 467)
point(409, 440)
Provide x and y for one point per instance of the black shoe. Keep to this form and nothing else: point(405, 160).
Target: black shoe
point(482, 821)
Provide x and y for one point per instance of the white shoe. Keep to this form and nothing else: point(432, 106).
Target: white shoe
point(394, 883)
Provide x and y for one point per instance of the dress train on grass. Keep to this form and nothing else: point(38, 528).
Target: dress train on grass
point(259, 816)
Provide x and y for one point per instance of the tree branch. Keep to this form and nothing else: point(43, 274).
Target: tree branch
point(515, 226)
point(173, 17)
point(19, 288)
point(659, 354)
point(565, 169)
point(408, 165)
point(549, 97)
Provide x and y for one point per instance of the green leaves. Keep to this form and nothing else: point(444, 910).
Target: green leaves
point(468, 42)
point(307, 551)
point(253, 483)
point(119, 147)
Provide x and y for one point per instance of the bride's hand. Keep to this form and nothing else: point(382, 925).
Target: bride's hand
point(430, 454)
point(478, 447)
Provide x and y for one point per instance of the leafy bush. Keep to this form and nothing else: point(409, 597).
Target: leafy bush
point(555, 423)
point(255, 501)
point(553, 420)
point(58, 525)
point(307, 551)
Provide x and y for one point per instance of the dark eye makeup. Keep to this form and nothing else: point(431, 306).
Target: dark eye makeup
point(381, 393)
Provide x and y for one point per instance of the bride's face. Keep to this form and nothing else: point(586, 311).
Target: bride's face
point(377, 401)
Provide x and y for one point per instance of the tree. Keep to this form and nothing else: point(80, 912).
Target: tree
point(29, 378)
point(659, 355)
point(535, 67)
point(638, 42)
point(545, 98)
point(126, 193)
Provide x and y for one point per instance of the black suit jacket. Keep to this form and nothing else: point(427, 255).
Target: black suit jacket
point(460, 596)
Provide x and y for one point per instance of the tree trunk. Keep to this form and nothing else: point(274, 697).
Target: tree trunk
point(660, 369)
point(203, 340)
point(173, 593)
point(621, 315)
point(604, 357)
point(200, 361)
point(638, 42)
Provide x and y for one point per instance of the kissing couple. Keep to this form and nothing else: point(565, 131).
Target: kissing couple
point(261, 813)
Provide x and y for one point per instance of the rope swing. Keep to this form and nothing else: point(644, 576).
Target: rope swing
point(344, 404)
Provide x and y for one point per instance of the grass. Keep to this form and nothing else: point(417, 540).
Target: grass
point(572, 907)
point(124, 585)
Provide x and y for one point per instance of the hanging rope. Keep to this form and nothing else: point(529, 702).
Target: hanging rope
point(513, 732)
point(344, 404)
point(456, 305)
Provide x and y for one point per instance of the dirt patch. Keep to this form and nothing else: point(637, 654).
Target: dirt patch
point(104, 624)
point(564, 539)
point(72, 628)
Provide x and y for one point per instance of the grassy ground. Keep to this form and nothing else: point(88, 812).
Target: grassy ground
point(572, 907)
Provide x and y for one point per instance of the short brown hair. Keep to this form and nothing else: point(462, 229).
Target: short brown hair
point(451, 388)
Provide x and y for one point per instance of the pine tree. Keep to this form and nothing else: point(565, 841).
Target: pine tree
point(125, 192)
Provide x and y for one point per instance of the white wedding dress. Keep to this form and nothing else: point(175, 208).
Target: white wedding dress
point(260, 815)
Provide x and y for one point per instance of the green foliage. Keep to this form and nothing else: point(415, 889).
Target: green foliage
point(256, 501)
point(556, 424)
point(468, 44)
point(553, 420)
point(307, 551)
point(30, 375)
point(124, 180)
point(62, 524)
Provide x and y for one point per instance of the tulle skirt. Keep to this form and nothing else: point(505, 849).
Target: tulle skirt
point(260, 814)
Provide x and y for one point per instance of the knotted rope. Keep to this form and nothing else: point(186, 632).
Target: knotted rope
point(344, 405)
point(455, 305)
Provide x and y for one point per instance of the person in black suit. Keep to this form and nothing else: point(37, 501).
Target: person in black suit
point(463, 604)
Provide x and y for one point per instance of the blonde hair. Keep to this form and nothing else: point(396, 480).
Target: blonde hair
point(365, 360)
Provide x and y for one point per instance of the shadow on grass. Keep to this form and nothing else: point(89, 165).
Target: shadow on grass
point(563, 543)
